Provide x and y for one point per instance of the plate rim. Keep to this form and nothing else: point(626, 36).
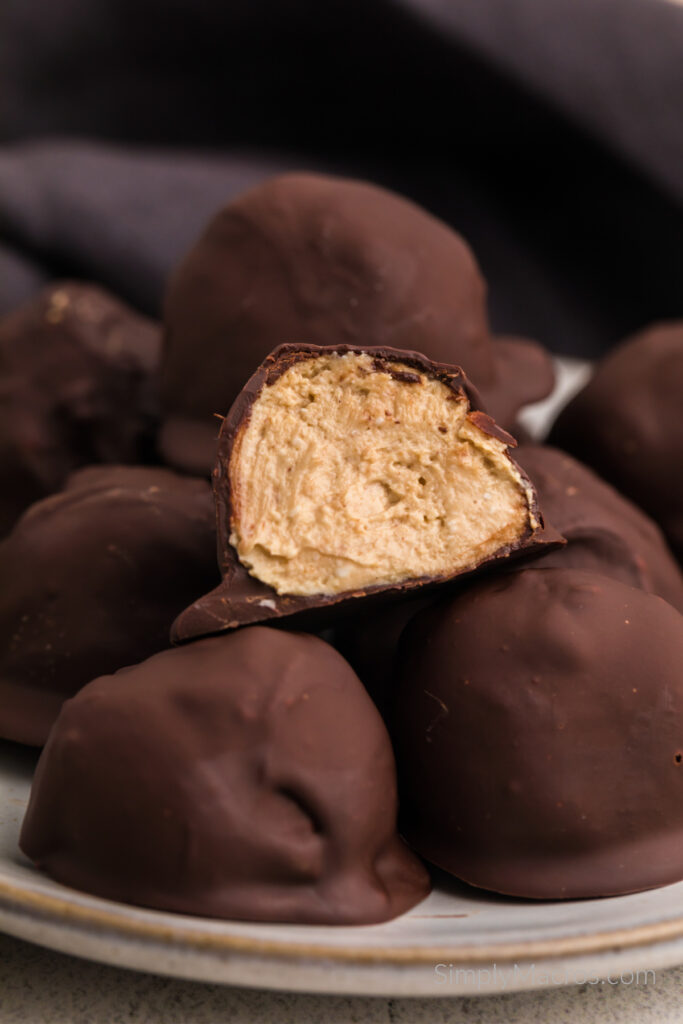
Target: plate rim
point(60, 910)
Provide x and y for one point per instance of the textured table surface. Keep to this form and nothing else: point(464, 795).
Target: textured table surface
point(41, 987)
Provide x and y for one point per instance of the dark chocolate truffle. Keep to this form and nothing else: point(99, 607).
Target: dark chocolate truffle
point(347, 472)
point(326, 261)
point(91, 579)
point(539, 736)
point(628, 424)
point(77, 386)
point(605, 532)
point(258, 783)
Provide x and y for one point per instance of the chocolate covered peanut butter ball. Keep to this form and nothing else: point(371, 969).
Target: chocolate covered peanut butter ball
point(320, 260)
point(91, 580)
point(77, 386)
point(258, 783)
point(538, 729)
point(627, 424)
point(347, 473)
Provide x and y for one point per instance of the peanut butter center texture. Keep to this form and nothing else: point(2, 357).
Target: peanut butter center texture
point(346, 476)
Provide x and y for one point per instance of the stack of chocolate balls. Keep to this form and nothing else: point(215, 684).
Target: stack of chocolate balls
point(500, 690)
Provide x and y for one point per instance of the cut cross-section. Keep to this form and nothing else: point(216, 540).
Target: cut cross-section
point(352, 472)
point(349, 472)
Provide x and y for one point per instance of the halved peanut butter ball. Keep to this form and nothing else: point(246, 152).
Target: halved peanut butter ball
point(350, 471)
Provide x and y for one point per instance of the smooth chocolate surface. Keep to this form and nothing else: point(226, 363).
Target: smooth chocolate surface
point(627, 424)
point(90, 581)
point(605, 532)
point(77, 387)
point(538, 730)
point(246, 776)
point(319, 260)
point(244, 599)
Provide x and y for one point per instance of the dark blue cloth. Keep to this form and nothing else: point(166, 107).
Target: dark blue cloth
point(548, 131)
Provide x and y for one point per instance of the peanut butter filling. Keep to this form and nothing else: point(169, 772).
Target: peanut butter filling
point(346, 476)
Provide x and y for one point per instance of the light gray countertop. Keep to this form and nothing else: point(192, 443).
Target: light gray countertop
point(38, 986)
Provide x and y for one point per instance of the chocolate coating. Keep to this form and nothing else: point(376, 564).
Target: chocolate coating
point(91, 579)
point(605, 532)
point(258, 783)
point(325, 261)
point(77, 386)
point(241, 599)
point(628, 424)
point(539, 736)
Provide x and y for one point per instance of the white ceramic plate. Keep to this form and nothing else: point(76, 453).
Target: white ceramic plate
point(458, 941)
point(448, 944)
